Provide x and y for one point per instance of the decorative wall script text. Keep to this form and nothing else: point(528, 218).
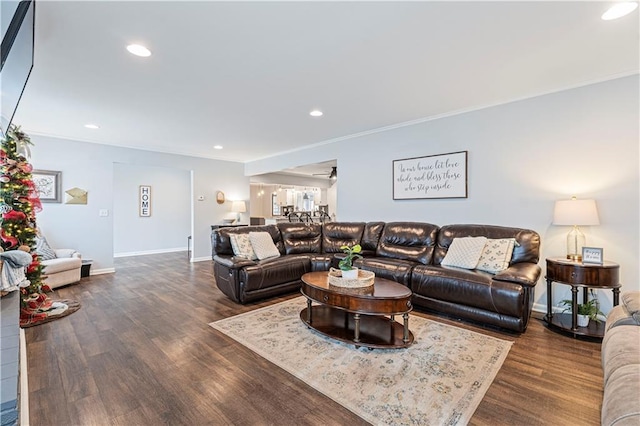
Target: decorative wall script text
point(434, 176)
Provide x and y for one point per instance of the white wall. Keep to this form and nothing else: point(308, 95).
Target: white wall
point(91, 166)
point(168, 226)
point(522, 157)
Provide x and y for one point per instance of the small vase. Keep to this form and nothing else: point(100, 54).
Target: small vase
point(351, 274)
point(583, 320)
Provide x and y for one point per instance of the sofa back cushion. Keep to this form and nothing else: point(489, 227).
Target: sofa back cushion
point(412, 241)
point(221, 243)
point(338, 234)
point(301, 237)
point(527, 247)
point(371, 237)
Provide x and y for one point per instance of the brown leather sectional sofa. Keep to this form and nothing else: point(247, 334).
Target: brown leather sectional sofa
point(406, 252)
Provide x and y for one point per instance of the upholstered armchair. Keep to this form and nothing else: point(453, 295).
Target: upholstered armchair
point(64, 269)
point(60, 266)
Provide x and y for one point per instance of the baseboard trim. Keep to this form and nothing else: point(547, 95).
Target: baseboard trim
point(146, 252)
point(200, 259)
point(537, 307)
point(103, 271)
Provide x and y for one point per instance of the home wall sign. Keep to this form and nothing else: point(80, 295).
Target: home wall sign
point(144, 200)
point(433, 176)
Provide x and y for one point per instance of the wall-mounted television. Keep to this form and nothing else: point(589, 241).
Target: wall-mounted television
point(16, 54)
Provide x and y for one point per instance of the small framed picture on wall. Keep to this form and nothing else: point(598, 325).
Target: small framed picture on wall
point(48, 184)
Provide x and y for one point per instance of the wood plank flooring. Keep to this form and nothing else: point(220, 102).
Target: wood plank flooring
point(140, 352)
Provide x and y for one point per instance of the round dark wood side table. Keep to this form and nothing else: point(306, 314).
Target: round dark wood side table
point(585, 276)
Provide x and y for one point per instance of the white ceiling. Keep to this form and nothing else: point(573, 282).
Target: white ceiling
point(246, 74)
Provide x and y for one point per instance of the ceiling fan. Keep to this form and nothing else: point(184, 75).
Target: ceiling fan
point(333, 175)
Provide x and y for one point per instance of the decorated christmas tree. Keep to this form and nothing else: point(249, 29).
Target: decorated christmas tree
point(19, 203)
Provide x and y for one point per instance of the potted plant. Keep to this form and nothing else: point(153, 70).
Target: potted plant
point(586, 311)
point(346, 263)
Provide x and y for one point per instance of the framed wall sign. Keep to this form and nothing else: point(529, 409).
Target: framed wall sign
point(48, 185)
point(144, 200)
point(592, 255)
point(433, 176)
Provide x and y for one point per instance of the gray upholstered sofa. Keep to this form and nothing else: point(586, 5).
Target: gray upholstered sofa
point(621, 363)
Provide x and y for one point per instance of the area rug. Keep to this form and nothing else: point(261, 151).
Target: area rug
point(439, 380)
point(51, 311)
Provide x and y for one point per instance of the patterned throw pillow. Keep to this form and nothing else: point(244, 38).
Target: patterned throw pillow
point(263, 245)
point(496, 255)
point(43, 249)
point(464, 252)
point(242, 246)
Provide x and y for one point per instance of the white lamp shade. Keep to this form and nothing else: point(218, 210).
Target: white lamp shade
point(575, 212)
point(239, 207)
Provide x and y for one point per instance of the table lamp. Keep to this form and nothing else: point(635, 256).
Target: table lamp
point(575, 213)
point(239, 207)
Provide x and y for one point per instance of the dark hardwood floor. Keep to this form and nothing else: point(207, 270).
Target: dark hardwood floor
point(140, 352)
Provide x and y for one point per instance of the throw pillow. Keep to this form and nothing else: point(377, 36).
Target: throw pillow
point(263, 245)
point(242, 246)
point(496, 255)
point(43, 249)
point(464, 252)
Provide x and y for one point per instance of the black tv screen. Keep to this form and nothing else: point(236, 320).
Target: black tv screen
point(16, 56)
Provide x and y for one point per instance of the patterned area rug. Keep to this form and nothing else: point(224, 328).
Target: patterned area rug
point(439, 380)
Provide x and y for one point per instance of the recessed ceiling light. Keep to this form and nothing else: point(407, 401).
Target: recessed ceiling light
point(619, 10)
point(92, 126)
point(217, 147)
point(138, 50)
point(316, 113)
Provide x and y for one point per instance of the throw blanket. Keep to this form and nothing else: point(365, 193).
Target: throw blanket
point(13, 269)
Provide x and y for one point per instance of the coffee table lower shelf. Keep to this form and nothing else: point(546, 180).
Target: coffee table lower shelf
point(376, 331)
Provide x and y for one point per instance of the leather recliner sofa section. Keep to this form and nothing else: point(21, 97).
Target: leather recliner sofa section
point(406, 252)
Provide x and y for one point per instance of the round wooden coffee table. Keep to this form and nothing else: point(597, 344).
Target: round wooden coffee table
point(363, 317)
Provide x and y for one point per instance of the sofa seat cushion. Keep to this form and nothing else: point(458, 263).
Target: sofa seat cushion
point(620, 404)
point(620, 347)
point(470, 288)
point(392, 269)
point(274, 271)
point(56, 265)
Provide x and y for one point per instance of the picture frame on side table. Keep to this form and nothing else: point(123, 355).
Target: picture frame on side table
point(592, 255)
point(48, 184)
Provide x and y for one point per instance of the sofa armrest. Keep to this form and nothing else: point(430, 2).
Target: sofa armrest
point(233, 262)
point(62, 253)
point(522, 273)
